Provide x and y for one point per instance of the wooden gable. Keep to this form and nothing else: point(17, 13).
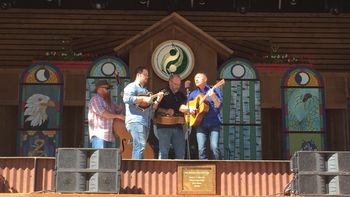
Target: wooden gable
point(207, 50)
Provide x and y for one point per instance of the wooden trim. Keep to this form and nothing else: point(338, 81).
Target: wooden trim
point(174, 19)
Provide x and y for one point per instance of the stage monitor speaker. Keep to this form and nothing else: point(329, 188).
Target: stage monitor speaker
point(108, 158)
point(104, 182)
point(70, 182)
point(321, 172)
point(339, 162)
point(309, 184)
point(87, 170)
point(307, 161)
point(71, 158)
point(339, 185)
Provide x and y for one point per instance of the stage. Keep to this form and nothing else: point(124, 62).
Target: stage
point(104, 195)
point(35, 176)
point(89, 195)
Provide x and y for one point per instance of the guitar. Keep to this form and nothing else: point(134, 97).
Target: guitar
point(125, 140)
point(169, 120)
point(201, 107)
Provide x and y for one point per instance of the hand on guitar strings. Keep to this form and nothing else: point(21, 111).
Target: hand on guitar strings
point(192, 110)
point(147, 99)
point(211, 92)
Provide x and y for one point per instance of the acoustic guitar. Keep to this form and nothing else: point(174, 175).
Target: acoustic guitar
point(200, 106)
point(169, 120)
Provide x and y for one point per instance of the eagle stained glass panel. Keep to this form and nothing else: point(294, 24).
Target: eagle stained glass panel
point(40, 110)
point(40, 107)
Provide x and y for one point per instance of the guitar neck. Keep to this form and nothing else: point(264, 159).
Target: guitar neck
point(154, 96)
point(203, 98)
point(220, 83)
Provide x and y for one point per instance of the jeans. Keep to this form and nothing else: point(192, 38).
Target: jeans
point(174, 136)
point(139, 135)
point(202, 137)
point(100, 143)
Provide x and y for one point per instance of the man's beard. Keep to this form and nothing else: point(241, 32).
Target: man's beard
point(107, 97)
point(144, 82)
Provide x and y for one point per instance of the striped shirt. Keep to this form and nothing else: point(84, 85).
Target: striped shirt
point(99, 126)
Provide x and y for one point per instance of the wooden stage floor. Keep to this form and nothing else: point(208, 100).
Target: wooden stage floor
point(120, 195)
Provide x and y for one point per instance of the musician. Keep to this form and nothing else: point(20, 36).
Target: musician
point(209, 128)
point(171, 134)
point(137, 119)
point(101, 113)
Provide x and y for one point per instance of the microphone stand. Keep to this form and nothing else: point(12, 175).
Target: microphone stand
point(188, 127)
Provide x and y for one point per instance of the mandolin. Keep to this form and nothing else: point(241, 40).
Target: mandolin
point(143, 105)
point(201, 107)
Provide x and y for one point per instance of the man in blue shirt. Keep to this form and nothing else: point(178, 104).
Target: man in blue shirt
point(138, 117)
point(209, 128)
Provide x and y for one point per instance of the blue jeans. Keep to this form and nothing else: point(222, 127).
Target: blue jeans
point(100, 143)
point(202, 137)
point(174, 136)
point(139, 135)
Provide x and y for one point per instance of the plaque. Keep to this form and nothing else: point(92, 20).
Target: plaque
point(196, 179)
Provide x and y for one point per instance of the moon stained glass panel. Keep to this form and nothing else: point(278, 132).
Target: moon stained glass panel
point(303, 110)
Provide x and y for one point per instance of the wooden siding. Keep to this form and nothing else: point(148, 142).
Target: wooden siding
point(320, 38)
point(323, 39)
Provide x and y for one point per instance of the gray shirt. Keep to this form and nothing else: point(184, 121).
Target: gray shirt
point(133, 114)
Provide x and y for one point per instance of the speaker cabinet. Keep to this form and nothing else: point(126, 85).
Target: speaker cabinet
point(70, 181)
point(321, 172)
point(71, 159)
point(86, 170)
point(339, 162)
point(307, 161)
point(339, 185)
point(309, 184)
point(104, 182)
point(105, 159)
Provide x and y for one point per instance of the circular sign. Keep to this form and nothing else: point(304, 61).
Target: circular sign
point(172, 57)
point(42, 75)
point(302, 78)
point(238, 71)
point(108, 68)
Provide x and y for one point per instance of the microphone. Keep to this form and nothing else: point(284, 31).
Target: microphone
point(187, 86)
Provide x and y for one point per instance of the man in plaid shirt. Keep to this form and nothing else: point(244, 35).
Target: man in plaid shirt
point(102, 112)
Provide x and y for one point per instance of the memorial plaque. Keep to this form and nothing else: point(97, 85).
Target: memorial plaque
point(196, 179)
